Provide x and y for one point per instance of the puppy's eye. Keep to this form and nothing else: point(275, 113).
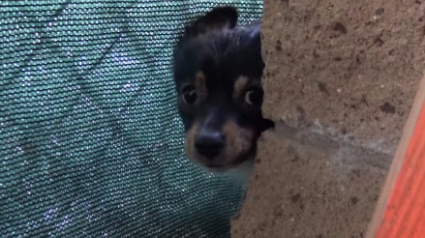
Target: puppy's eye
point(189, 95)
point(254, 97)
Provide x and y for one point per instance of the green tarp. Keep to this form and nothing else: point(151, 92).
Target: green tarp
point(90, 141)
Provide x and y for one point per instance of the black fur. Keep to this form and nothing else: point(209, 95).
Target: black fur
point(214, 45)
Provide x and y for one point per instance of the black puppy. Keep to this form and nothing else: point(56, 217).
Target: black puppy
point(217, 73)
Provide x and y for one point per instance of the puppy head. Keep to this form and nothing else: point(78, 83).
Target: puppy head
point(217, 73)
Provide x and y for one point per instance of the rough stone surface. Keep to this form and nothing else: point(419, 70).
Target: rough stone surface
point(306, 185)
point(339, 82)
point(342, 67)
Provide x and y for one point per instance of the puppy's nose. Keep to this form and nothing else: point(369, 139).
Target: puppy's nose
point(209, 144)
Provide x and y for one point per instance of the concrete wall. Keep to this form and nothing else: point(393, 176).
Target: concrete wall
point(339, 82)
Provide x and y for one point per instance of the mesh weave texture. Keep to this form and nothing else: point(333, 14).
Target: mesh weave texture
point(90, 141)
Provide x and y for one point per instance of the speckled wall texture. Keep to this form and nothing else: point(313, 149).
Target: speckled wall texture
point(339, 82)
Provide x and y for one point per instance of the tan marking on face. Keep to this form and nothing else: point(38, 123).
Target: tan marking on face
point(238, 141)
point(239, 86)
point(190, 141)
point(200, 83)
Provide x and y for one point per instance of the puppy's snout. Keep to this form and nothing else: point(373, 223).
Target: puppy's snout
point(209, 143)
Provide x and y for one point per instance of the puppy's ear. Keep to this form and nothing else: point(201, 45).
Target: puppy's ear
point(216, 19)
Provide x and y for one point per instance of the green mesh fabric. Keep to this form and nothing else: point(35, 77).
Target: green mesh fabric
point(90, 141)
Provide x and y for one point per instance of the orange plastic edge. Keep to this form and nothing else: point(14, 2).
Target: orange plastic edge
point(400, 212)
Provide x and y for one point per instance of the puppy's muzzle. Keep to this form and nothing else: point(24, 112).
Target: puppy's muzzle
point(210, 143)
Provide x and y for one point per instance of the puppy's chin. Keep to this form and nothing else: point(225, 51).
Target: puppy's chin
point(243, 171)
point(240, 170)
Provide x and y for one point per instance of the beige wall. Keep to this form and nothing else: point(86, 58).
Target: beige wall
point(340, 79)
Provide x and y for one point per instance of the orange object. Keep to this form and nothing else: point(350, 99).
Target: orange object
point(400, 212)
point(405, 214)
